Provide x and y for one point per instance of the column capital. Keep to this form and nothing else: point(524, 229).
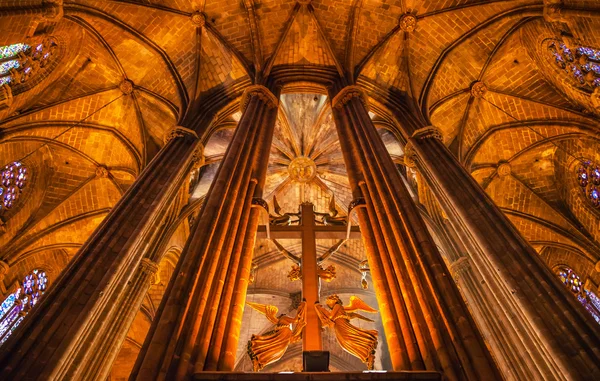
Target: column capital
point(179, 132)
point(198, 159)
point(261, 203)
point(262, 93)
point(147, 266)
point(346, 94)
point(427, 132)
point(410, 156)
point(359, 201)
point(460, 266)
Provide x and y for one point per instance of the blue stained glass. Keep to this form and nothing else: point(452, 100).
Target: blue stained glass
point(12, 330)
point(5, 80)
point(9, 302)
point(9, 319)
point(12, 50)
point(6, 66)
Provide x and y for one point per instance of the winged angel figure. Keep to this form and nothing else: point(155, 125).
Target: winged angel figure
point(271, 346)
point(356, 341)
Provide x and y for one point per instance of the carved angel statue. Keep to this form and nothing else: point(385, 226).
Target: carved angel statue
point(284, 219)
point(356, 341)
point(271, 346)
point(332, 217)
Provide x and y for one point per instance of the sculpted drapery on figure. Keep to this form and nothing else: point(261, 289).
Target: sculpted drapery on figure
point(270, 347)
point(359, 342)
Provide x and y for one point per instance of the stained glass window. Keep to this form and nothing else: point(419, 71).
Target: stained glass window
point(19, 62)
point(583, 63)
point(588, 177)
point(12, 181)
point(587, 298)
point(18, 304)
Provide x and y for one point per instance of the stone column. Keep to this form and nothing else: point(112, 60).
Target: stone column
point(560, 329)
point(55, 340)
point(432, 328)
point(116, 325)
point(190, 328)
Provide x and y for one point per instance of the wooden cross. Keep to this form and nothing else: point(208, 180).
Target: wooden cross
point(308, 231)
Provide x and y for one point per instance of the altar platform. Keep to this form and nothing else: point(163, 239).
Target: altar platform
point(320, 376)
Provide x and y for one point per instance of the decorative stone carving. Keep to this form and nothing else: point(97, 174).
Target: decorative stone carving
point(126, 87)
point(304, 2)
point(460, 266)
point(198, 157)
point(6, 98)
point(302, 169)
point(346, 94)
point(198, 19)
point(478, 89)
point(262, 93)
point(356, 202)
point(504, 169)
point(597, 266)
point(260, 202)
point(553, 11)
point(410, 156)
point(4, 267)
point(595, 99)
point(101, 172)
point(150, 268)
point(179, 132)
point(53, 10)
point(407, 22)
point(427, 133)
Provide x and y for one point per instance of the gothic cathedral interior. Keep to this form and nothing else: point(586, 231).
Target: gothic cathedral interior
point(300, 190)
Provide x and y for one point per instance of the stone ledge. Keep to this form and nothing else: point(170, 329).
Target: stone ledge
point(359, 376)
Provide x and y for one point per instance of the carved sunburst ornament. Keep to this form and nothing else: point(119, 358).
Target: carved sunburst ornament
point(302, 169)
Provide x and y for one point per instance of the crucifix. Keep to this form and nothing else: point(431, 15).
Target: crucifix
point(308, 226)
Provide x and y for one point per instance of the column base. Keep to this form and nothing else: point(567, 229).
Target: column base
point(316, 376)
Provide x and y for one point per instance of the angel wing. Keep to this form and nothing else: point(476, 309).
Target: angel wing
point(286, 253)
point(354, 315)
point(332, 208)
point(356, 304)
point(269, 311)
point(276, 206)
point(300, 323)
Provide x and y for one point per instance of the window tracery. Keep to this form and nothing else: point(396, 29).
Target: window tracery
point(588, 178)
point(18, 62)
point(583, 63)
point(13, 179)
point(18, 304)
point(587, 298)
